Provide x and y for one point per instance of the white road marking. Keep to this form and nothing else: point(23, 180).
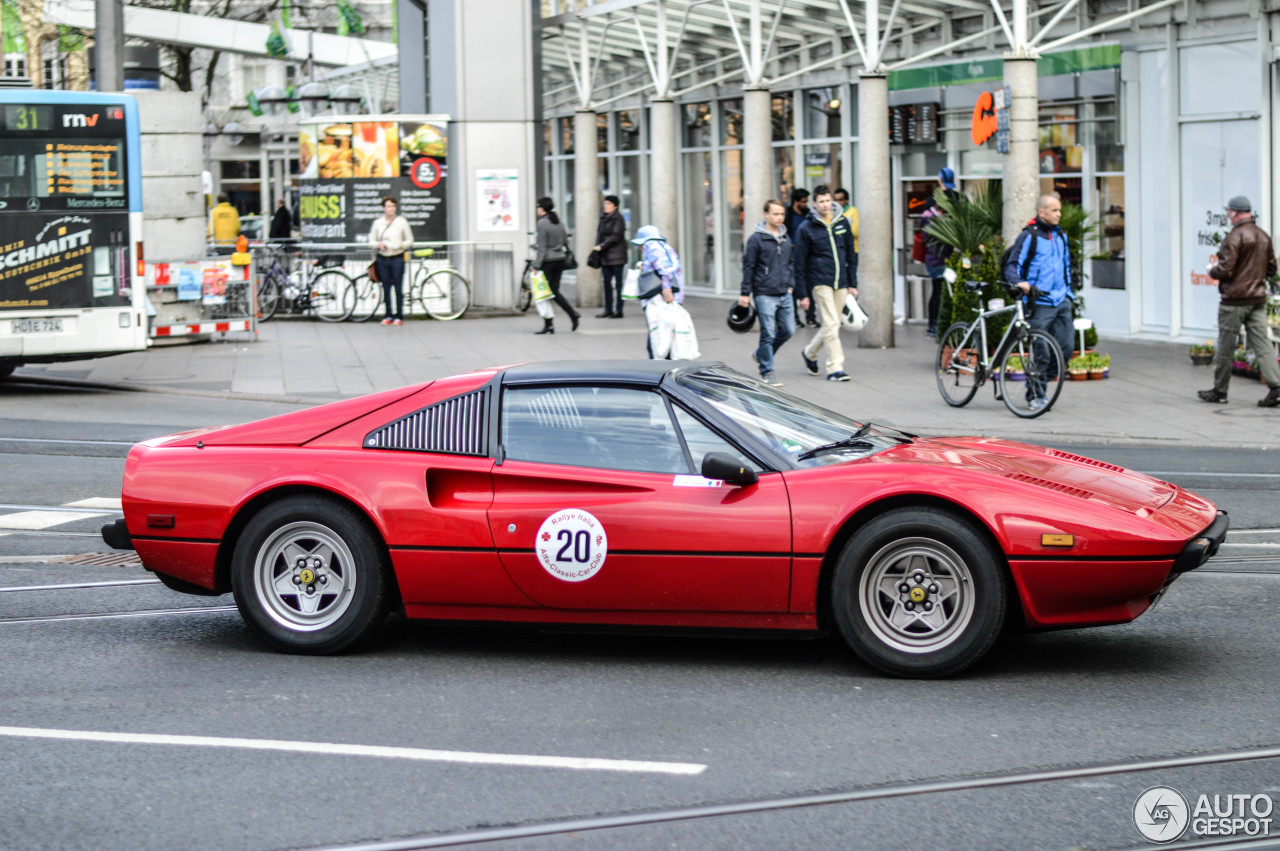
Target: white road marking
point(109, 503)
point(331, 749)
point(81, 585)
point(43, 519)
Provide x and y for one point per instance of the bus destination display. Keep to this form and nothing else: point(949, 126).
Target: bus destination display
point(83, 168)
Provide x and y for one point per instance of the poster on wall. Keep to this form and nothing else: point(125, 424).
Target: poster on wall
point(348, 167)
point(498, 199)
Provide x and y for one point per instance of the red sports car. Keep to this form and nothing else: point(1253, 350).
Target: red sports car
point(647, 493)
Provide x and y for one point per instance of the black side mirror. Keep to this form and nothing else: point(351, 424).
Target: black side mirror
point(718, 465)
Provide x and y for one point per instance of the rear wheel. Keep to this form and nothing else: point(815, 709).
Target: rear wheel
point(958, 366)
point(310, 577)
point(330, 296)
point(1037, 357)
point(444, 294)
point(526, 289)
point(919, 592)
point(268, 299)
point(366, 298)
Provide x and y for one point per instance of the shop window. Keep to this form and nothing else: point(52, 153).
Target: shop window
point(731, 121)
point(784, 172)
point(1060, 150)
point(1109, 210)
point(602, 132)
point(629, 130)
point(697, 125)
point(784, 120)
point(548, 137)
point(566, 135)
point(822, 113)
point(1068, 189)
point(822, 165)
point(241, 169)
point(698, 251)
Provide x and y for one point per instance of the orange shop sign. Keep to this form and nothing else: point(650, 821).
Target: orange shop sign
point(985, 123)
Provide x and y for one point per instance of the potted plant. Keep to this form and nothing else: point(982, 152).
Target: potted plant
point(1242, 363)
point(1015, 369)
point(1202, 353)
point(1078, 368)
point(1099, 366)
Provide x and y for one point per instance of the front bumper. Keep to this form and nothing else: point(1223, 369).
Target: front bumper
point(1202, 547)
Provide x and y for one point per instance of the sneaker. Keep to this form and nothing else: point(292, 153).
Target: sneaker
point(386, 322)
point(396, 322)
point(838, 376)
point(772, 380)
point(1271, 400)
point(1038, 404)
point(1214, 396)
point(811, 365)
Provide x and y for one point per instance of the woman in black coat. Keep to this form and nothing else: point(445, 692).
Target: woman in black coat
point(611, 242)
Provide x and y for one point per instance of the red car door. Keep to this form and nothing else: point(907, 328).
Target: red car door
point(595, 506)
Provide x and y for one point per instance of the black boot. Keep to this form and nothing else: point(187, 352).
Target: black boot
point(574, 319)
point(547, 328)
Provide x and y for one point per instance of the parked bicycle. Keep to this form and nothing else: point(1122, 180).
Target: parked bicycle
point(442, 293)
point(525, 299)
point(1027, 365)
point(303, 287)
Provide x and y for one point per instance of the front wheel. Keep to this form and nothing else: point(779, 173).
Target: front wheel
point(526, 289)
point(268, 299)
point(444, 294)
point(1036, 357)
point(919, 592)
point(958, 365)
point(309, 576)
point(366, 299)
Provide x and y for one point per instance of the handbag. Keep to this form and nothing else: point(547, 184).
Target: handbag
point(372, 271)
point(852, 316)
point(570, 262)
point(593, 259)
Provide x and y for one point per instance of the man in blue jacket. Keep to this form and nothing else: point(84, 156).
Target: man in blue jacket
point(1041, 249)
point(825, 264)
point(766, 274)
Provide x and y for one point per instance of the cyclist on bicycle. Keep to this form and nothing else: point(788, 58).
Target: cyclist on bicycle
point(1040, 258)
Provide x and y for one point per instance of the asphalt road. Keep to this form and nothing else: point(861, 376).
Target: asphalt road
point(707, 741)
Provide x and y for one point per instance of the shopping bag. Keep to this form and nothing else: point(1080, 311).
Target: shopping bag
point(852, 316)
point(662, 327)
point(544, 308)
point(631, 283)
point(539, 286)
point(684, 342)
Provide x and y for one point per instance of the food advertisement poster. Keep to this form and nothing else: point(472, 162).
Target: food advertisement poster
point(498, 199)
point(347, 168)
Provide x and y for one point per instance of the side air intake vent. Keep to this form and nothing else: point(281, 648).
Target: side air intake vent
point(1067, 456)
point(457, 426)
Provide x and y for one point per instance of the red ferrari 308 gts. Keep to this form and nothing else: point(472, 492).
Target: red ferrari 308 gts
point(647, 493)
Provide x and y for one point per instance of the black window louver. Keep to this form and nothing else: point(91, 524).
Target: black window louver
point(457, 426)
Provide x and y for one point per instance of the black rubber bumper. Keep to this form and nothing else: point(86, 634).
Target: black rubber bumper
point(1202, 547)
point(117, 535)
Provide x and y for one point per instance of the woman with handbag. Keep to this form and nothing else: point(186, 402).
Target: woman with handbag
point(391, 237)
point(610, 255)
point(552, 247)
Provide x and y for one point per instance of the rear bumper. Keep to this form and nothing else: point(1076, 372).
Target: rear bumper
point(1202, 547)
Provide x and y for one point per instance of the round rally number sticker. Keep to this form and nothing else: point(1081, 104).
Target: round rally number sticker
point(572, 545)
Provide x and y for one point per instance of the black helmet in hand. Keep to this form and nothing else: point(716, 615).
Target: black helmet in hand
point(742, 319)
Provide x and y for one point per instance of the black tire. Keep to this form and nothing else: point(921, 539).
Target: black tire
point(331, 299)
point(443, 294)
point(268, 299)
point(337, 589)
point(526, 289)
point(959, 376)
point(954, 605)
point(1043, 368)
point(366, 296)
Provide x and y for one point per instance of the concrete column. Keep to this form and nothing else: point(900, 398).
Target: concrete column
point(108, 45)
point(664, 142)
point(757, 158)
point(1021, 179)
point(586, 204)
point(875, 215)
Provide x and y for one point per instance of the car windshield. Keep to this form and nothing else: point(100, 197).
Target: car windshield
point(807, 434)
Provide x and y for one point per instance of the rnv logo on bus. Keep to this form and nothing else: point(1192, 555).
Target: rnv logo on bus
point(79, 119)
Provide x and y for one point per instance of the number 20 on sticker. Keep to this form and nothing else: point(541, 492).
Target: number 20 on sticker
point(572, 545)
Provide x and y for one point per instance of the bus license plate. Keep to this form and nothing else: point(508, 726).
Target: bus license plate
point(51, 325)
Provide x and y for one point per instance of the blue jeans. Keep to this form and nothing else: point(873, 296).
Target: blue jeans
point(777, 324)
point(391, 273)
point(1059, 324)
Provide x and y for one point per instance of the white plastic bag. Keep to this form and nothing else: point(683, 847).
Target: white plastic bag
point(852, 316)
point(684, 344)
point(631, 283)
point(662, 326)
point(544, 308)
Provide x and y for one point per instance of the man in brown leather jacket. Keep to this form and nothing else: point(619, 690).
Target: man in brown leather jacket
point(1245, 260)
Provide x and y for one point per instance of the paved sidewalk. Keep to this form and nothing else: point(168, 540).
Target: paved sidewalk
point(1149, 398)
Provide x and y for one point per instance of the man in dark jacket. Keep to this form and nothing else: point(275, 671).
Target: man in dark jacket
point(1244, 261)
point(797, 213)
point(767, 275)
point(611, 242)
point(825, 264)
point(1041, 249)
point(281, 222)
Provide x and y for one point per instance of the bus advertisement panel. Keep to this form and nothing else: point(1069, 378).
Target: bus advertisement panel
point(70, 227)
point(349, 166)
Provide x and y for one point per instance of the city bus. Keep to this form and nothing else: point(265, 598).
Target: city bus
point(72, 281)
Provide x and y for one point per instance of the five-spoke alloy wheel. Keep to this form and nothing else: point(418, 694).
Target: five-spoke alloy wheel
point(919, 592)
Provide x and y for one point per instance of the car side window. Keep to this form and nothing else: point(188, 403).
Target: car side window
point(610, 428)
point(702, 440)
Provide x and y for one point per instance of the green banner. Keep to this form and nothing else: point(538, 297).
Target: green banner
point(1093, 58)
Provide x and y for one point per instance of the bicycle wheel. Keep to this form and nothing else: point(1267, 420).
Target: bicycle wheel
point(444, 294)
point(959, 366)
point(526, 289)
point(1043, 369)
point(366, 298)
point(330, 299)
point(268, 298)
